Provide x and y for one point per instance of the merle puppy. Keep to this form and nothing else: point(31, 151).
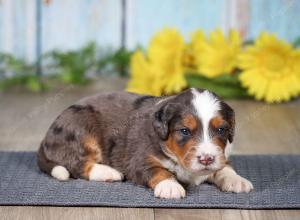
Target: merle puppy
point(159, 142)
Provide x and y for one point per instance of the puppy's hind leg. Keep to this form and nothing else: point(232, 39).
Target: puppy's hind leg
point(54, 169)
point(93, 169)
point(101, 172)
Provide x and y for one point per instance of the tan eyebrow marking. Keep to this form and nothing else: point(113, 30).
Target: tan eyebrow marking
point(190, 122)
point(217, 121)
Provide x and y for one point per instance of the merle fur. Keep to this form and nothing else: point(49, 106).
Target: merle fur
point(128, 128)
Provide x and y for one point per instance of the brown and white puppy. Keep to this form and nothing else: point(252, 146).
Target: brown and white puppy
point(158, 142)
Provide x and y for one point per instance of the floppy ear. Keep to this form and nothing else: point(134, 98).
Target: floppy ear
point(232, 127)
point(162, 118)
point(229, 116)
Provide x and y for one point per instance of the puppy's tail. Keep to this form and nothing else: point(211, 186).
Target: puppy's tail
point(50, 167)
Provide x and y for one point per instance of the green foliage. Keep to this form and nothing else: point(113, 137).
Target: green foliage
point(30, 82)
point(69, 67)
point(248, 42)
point(20, 74)
point(225, 86)
point(297, 43)
point(120, 60)
point(72, 66)
point(115, 62)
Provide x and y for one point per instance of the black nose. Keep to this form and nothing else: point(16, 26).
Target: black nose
point(206, 160)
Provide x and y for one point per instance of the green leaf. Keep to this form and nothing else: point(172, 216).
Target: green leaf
point(115, 62)
point(297, 43)
point(68, 67)
point(72, 66)
point(31, 83)
point(34, 84)
point(248, 42)
point(227, 87)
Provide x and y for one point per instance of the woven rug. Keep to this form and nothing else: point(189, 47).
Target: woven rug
point(276, 180)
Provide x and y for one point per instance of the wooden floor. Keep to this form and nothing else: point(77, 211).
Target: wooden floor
point(261, 129)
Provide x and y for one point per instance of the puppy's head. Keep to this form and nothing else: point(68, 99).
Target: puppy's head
point(197, 130)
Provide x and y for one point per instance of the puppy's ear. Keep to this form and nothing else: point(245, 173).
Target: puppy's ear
point(162, 118)
point(229, 116)
point(232, 127)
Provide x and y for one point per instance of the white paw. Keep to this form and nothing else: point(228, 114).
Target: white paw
point(236, 183)
point(60, 173)
point(101, 172)
point(169, 189)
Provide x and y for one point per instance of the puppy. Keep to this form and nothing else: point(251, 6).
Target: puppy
point(159, 142)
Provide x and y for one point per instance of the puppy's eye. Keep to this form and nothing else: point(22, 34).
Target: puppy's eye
point(185, 132)
point(221, 130)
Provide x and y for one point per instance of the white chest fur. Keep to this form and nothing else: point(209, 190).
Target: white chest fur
point(183, 174)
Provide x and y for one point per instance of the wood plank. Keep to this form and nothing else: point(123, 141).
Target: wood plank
point(270, 214)
point(80, 213)
point(266, 129)
point(199, 214)
point(225, 214)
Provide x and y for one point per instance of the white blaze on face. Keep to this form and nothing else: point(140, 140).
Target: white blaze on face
point(207, 107)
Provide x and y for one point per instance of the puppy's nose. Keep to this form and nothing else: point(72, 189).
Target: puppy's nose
point(206, 160)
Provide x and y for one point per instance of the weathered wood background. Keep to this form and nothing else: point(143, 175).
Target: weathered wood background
point(68, 24)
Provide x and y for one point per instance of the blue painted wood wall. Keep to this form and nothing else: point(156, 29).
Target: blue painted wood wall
point(68, 24)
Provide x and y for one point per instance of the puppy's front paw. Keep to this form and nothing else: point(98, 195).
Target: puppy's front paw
point(236, 183)
point(169, 189)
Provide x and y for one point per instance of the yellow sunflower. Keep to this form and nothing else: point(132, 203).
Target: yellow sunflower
point(163, 71)
point(193, 50)
point(165, 54)
point(270, 69)
point(219, 54)
point(142, 76)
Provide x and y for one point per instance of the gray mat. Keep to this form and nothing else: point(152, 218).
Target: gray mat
point(276, 180)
